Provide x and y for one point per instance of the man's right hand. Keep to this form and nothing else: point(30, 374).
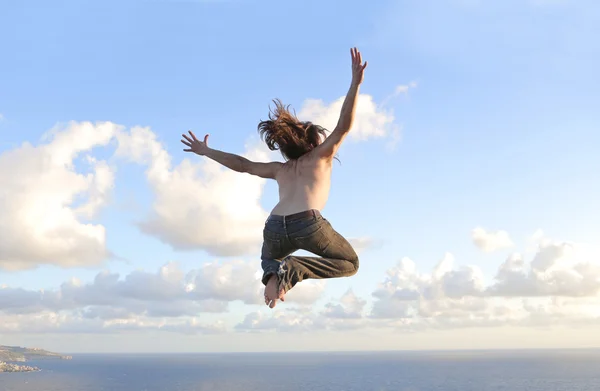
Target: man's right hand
point(195, 145)
point(357, 66)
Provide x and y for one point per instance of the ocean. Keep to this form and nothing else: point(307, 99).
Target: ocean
point(545, 370)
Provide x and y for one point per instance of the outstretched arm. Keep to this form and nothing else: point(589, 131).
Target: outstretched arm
point(332, 143)
point(230, 160)
point(348, 109)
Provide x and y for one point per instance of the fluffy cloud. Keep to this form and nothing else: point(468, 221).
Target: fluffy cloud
point(558, 284)
point(371, 120)
point(45, 202)
point(167, 293)
point(561, 278)
point(307, 292)
point(166, 299)
point(50, 198)
point(558, 269)
point(198, 204)
point(490, 241)
point(350, 307)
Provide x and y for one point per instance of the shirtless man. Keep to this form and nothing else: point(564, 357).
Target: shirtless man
point(304, 181)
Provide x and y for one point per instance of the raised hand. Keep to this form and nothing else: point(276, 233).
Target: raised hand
point(195, 145)
point(357, 66)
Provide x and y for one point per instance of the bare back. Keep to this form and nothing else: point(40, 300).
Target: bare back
point(303, 184)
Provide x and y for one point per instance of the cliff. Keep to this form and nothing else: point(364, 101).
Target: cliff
point(19, 354)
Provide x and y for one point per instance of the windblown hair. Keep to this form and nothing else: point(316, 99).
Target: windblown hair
point(286, 133)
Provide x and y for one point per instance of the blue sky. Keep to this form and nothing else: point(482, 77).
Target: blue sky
point(498, 130)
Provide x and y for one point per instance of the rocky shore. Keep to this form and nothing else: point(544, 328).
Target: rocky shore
point(9, 355)
point(8, 367)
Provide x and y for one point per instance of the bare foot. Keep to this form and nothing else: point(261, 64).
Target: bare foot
point(271, 295)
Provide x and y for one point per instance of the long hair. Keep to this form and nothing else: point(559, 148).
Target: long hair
point(286, 133)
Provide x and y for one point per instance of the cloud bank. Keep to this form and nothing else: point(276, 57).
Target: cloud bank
point(558, 285)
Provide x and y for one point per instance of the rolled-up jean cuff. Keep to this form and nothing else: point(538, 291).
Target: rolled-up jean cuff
point(270, 268)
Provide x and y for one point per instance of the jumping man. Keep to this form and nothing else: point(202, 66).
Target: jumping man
point(304, 182)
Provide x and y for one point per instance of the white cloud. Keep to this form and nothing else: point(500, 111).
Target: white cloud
point(406, 293)
point(562, 282)
point(490, 241)
point(167, 297)
point(167, 293)
point(198, 204)
point(370, 121)
point(350, 306)
point(44, 200)
point(402, 89)
point(306, 292)
point(557, 285)
point(361, 244)
point(557, 269)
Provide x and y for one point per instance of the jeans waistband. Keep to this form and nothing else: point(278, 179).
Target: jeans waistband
point(295, 216)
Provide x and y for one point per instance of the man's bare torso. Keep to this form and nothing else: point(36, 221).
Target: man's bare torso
point(303, 184)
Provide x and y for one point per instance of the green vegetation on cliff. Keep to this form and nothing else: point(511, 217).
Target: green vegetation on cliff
point(19, 354)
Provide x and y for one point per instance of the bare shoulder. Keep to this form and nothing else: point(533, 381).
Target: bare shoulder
point(314, 160)
point(329, 147)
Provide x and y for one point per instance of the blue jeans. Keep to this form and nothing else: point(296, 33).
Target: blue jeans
point(308, 231)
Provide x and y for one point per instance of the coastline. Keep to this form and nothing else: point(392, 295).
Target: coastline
point(6, 367)
point(11, 355)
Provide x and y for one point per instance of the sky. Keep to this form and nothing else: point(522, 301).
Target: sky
point(468, 184)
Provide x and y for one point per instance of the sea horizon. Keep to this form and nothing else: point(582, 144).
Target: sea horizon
point(479, 350)
point(423, 370)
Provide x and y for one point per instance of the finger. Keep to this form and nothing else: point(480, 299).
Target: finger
point(193, 135)
point(186, 143)
point(206, 139)
point(187, 150)
point(186, 137)
point(365, 66)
